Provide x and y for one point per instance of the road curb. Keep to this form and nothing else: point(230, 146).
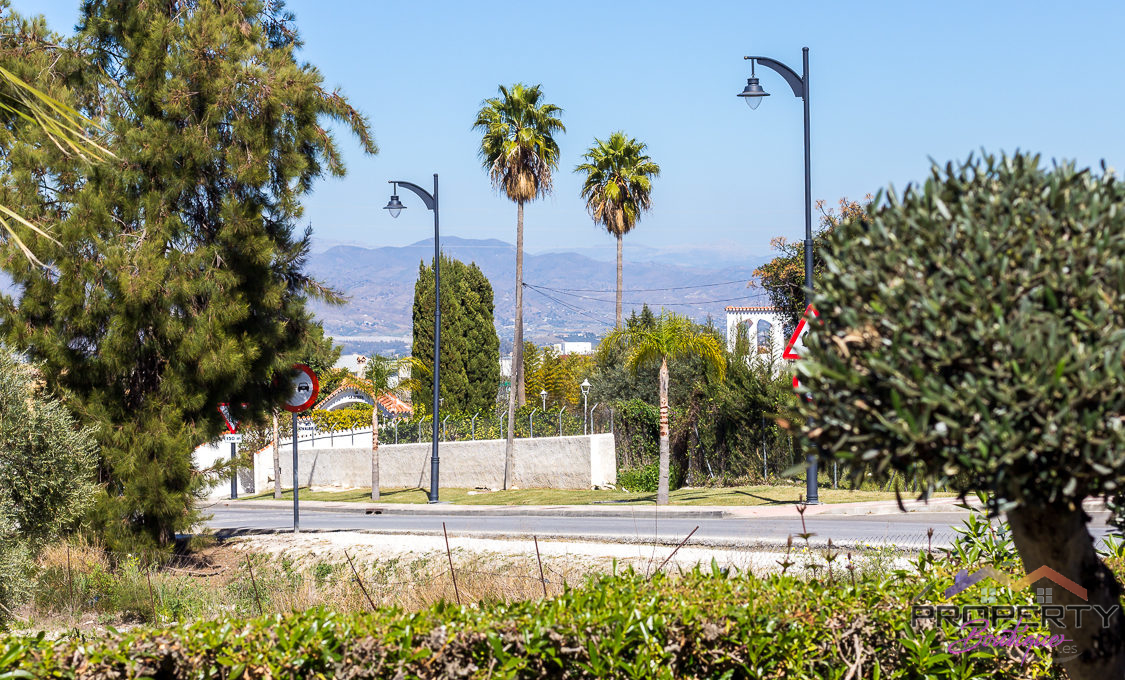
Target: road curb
point(488, 511)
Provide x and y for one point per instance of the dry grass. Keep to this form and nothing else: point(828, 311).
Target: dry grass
point(80, 586)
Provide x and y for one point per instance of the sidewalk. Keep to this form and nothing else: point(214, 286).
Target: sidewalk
point(778, 510)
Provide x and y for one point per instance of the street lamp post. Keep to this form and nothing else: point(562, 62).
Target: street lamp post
point(585, 391)
point(753, 94)
point(394, 207)
point(543, 398)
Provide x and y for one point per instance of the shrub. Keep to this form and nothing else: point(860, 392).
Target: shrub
point(647, 478)
point(706, 624)
point(46, 465)
point(975, 333)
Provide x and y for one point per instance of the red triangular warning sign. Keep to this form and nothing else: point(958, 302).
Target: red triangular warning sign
point(797, 340)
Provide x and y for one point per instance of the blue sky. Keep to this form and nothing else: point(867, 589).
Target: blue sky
point(892, 85)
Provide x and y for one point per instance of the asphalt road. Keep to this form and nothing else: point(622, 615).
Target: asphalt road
point(900, 530)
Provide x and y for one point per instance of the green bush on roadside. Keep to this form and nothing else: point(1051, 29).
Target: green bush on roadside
point(706, 623)
point(646, 478)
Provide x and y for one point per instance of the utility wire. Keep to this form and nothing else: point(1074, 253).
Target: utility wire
point(649, 290)
point(561, 291)
point(569, 306)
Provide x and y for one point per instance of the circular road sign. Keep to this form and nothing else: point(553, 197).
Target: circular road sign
point(305, 389)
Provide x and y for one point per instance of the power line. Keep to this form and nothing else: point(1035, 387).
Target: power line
point(569, 306)
point(649, 290)
point(563, 291)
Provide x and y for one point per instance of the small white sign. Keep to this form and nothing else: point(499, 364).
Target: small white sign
point(305, 427)
point(232, 439)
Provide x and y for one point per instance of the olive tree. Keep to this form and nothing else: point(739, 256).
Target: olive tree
point(46, 474)
point(974, 334)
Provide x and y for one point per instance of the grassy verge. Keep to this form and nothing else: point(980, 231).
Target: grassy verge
point(736, 495)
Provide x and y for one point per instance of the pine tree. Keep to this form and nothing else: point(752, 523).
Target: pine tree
point(176, 278)
point(470, 348)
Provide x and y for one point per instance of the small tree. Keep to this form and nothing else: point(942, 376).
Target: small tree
point(975, 334)
point(670, 337)
point(376, 382)
point(783, 277)
point(46, 474)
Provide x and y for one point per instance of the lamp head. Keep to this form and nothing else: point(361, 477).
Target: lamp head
point(585, 387)
point(394, 206)
point(752, 94)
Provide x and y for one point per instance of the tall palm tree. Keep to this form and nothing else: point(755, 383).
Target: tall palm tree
point(618, 188)
point(376, 382)
point(668, 338)
point(519, 151)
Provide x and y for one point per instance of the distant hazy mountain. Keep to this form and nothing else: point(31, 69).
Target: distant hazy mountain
point(572, 291)
point(709, 256)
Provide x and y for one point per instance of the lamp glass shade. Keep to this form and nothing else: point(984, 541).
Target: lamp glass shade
point(753, 93)
point(394, 206)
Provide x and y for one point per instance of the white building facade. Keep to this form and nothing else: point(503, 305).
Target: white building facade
point(765, 330)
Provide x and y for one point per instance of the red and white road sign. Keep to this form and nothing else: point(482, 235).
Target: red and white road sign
point(232, 424)
point(796, 345)
point(305, 389)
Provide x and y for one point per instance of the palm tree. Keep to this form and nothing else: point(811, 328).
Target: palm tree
point(669, 337)
point(519, 151)
point(376, 382)
point(618, 188)
point(59, 123)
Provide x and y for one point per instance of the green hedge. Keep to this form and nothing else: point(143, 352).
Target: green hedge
point(704, 624)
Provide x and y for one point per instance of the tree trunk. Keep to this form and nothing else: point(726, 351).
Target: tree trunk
point(375, 450)
point(1056, 536)
point(515, 375)
point(517, 350)
point(662, 483)
point(510, 444)
point(619, 241)
point(276, 458)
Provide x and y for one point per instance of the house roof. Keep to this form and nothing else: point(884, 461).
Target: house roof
point(394, 405)
point(752, 309)
point(390, 403)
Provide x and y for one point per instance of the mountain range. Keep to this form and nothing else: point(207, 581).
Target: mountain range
point(567, 293)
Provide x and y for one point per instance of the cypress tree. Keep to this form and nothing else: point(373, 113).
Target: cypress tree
point(454, 386)
point(176, 279)
point(470, 348)
point(482, 363)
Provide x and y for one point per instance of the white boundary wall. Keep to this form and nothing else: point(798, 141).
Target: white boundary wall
point(335, 461)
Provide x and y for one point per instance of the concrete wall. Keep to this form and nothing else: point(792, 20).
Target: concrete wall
point(541, 462)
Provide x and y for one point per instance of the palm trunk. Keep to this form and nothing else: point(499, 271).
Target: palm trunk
point(510, 444)
point(619, 241)
point(375, 450)
point(1056, 536)
point(515, 377)
point(662, 483)
point(276, 458)
point(517, 351)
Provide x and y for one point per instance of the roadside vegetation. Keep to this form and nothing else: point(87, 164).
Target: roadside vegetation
point(822, 613)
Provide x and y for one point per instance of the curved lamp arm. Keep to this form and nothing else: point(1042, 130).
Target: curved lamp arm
point(426, 196)
point(795, 81)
